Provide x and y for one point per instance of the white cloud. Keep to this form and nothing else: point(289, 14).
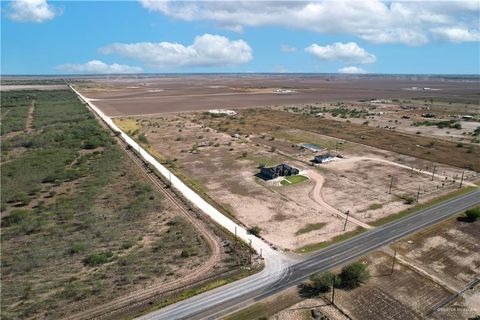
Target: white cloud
point(206, 51)
point(32, 11)
point(97, 66)
point(351, 70)
point(407, 22)
point(345, 52)
point(457, 34)
point(287, 48)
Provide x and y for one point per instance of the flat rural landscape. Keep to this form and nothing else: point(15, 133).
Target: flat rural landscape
point(220, 154)
point(247, 160)
point(81, 223)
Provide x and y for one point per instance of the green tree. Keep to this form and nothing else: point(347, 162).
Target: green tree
point(353, 275)
point(323, 282)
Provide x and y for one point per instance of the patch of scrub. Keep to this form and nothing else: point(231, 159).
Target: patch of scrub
point(128, 124)
point(310, 227)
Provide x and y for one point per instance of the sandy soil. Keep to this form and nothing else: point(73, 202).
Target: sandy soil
point(132, 96)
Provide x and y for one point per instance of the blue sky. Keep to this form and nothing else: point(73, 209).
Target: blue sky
point(40, 37)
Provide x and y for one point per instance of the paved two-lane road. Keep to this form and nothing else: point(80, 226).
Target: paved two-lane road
point(226, 299)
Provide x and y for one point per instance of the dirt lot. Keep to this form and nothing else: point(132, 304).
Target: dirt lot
point(450, 251)
point(134, 96)
point(224, 168)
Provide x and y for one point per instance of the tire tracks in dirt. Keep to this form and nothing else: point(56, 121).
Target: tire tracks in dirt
point(316, 195)
point(29, 123)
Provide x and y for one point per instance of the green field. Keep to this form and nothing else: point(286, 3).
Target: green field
point(287, 181)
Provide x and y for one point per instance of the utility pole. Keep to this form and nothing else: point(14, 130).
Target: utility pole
point(235, 239)
point(418, 193)
point(461, 181)
point(346, 220)
point(250, 251)
point(333, 290)
point(391, 184)
point(433, 172)
point(393, 262)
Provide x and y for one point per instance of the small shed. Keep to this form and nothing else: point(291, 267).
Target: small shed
point(323, 158)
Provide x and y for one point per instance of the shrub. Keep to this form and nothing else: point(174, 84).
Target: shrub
point(408, 199)
point(143, 138)
point(353, 275)
point(77, 247)
point(255, 230)
point(375, 206)
point(16, 217)
point(188, 252)
point(472, 214)
point(96, 259)
point(92, 143)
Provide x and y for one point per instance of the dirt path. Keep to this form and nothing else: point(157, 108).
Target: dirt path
point(316, 195)
point(4, 115)
point(28, 125)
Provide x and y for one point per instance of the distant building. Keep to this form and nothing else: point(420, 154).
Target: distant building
point(323, 158)
point(282, 91)
point(279, 171)
point(312, 147)
point(222, 111)
point(429, 115)
point(380, 101)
